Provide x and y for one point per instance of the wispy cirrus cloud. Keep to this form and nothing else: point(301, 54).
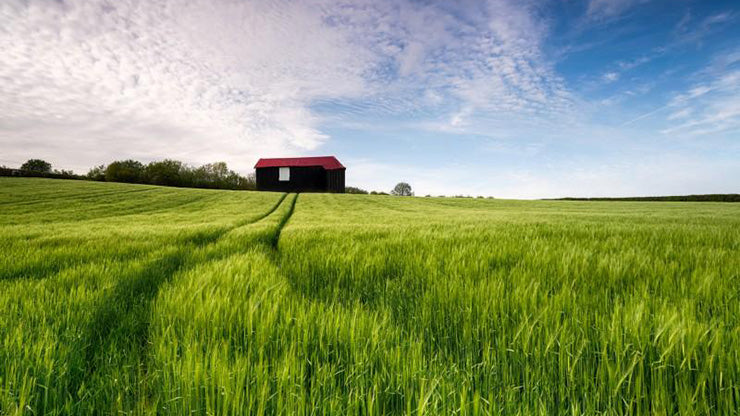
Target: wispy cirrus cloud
point(610, 77)
point(690, 32)
point(604, 9)
point(708, 108)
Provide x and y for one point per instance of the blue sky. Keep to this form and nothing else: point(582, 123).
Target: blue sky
point(516, 99)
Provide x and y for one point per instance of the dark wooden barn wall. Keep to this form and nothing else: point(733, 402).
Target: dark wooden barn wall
point(302, 179)
point(335, 180)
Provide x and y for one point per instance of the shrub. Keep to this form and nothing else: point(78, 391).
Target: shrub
point(354, 190)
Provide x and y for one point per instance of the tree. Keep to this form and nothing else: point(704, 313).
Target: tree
point(130, 171)
point(212, 175)
point(166, 172)
point(218, 175)
point(248, 182)
point(402, 189)
point(97, 173)
point(37, 165)
point(63, 172)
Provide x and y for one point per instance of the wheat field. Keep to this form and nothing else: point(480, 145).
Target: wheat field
point(139, 299)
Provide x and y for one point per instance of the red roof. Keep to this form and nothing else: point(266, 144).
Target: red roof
point(326, 162)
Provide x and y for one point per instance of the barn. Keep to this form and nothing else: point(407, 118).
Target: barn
point(300, 174)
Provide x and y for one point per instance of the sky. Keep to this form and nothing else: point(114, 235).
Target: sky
point(510, 99)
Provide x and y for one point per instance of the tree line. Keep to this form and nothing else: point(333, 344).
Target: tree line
point(170, 172)
point(401, 189)
point(166, 172)
point(676, 198)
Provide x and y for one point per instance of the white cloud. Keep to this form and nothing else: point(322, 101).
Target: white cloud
point(179, 79)
point(683, 113)
point(718, 18)
point(708, 108)
point(85, 82)
point(634, 63)
point(603, 9)
point(486, 57)
point(610, 77)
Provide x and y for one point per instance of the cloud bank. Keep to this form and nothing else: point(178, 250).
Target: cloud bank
point(82, 82)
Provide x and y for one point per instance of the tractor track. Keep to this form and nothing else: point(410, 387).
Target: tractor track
point(126, 308)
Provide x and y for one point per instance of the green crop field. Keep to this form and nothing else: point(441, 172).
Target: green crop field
point(118, 298)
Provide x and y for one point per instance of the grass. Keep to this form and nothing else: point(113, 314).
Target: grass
point(140, 299)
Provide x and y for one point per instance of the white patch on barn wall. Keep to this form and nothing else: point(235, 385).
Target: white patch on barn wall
point(284, 174)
